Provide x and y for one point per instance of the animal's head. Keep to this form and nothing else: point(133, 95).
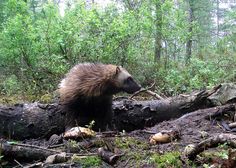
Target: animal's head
point(125, 82)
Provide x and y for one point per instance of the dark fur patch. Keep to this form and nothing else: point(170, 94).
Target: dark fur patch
point(82, 111)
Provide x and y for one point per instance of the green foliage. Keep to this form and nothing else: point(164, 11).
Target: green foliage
point(10, 85)
point(126, 142)
point(12, 142)
point(168, 159)
point(73, 144)
point(91, 124)
point(176, 79)
point(140, 154)
point(38, 45)
point(199, 74)
point(90, 161)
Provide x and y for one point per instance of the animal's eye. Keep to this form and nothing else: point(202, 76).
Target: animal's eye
point(129, 79)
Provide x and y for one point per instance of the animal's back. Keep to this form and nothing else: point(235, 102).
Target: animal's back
point(86, 92)
point(85, 81)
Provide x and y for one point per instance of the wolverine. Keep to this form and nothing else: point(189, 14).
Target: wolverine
point(86, 93)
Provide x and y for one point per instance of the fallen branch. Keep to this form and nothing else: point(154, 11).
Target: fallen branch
point(194, 150)
point(147, 90)
point(34, 165)
point(18, 163)
point(232, 125)
point(26, 152)
point(108, 156)
point(32, 152)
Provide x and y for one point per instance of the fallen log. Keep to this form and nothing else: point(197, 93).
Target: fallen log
point(35, 120)
point(214, 141)
point(24, 151)
point(23, 121)
point(131, 115)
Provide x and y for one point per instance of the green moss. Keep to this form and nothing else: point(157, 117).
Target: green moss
point(139, 153)
point(72, 144)
point(219, 152)
point(135, 149)
point(28, 97)
point(169, 159)
point(90, 161)
point(127, 142)
point(46, 98)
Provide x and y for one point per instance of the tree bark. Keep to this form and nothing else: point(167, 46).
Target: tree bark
point(190, 30)
point(26, 152)
point(218, 18)
point(158, 34)
point(131, 115)
point(24, 121)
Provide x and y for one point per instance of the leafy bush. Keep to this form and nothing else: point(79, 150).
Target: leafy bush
point(37, 47)
point(10, 85)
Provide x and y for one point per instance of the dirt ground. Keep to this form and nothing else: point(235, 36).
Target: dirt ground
point(133, 148)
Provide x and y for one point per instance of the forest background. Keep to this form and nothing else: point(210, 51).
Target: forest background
point(181, 45)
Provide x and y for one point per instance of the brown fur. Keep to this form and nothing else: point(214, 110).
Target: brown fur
point(86, 93)
point(86, 80)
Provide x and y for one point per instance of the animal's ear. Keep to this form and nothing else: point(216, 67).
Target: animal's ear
point(118, 69)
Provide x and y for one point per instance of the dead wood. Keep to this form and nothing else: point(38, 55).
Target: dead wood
point(230, 139)
point(193, 127)
point(34, 165)
point(147, 90)
point(31, 152)
point(108, 156)
point(57, 158)
point(232, 125)
point(131, 115)
point(24, 151)
point(35, 120)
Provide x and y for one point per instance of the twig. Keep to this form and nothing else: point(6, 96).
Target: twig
point(37, 164)
point(209, 143)
point(80, 154)
point(18, 163)
point(147, 91)
point(232, 125)
point(155, 95)
point(119, 98)
point(55, 146)
point(214, 90)
point(149, 132)
point(127, 162)
point(37, 147)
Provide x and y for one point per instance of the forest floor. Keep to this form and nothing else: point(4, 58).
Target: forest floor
point(133, 149)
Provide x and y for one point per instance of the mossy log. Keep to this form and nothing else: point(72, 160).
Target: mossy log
point(35, 120)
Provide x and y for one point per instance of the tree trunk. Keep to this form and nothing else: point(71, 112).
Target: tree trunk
point(190, 29)
point(218, 17)
point(158, 34)
point(37, 120)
